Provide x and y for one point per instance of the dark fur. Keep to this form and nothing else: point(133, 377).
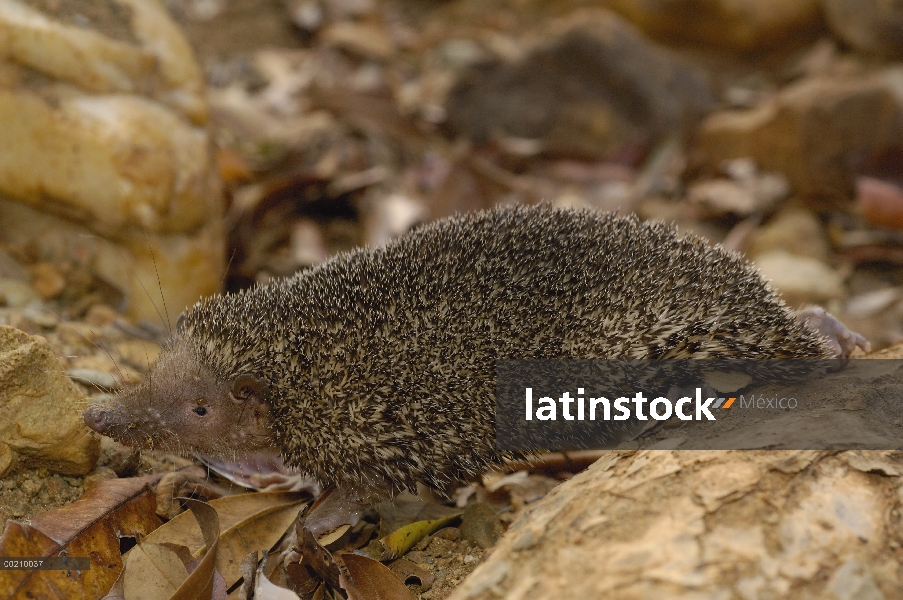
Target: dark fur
point(382, 361)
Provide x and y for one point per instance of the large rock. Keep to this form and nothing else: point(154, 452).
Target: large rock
point(737, 24)
point(820, 132)
point(594, 88)
point(725, 524)
point(103, 104)
point(42, 424)
point(707, 524)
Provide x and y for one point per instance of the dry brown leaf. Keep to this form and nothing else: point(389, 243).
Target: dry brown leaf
point(405, 570)
point(154, 572)
point(266, 589)
point(248, 521)
point(200, 584)
point(373, 580)
point(318, 558)
point(326, 539)
point(89, 527)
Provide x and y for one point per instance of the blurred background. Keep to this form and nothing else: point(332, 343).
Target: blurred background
point(166, 150)
point(156, 151)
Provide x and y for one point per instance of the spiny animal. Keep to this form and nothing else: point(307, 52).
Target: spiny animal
point(375, 370)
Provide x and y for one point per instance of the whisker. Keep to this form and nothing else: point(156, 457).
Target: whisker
point(159, 283)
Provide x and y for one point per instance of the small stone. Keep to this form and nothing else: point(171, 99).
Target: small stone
point(40, 318)
point(448, 533)
point(76, 334)
point(363, 39)
point(48, 281)
point(306, 14)
point(800, 280)
point(17, 505)
point(17, 293)
point(98, 474)
point(480, 525)
point(796, 231)
point(100, 315)
point(30, 487)
point(94, 378)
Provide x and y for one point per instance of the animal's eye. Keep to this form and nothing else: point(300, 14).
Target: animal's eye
point(200, 411)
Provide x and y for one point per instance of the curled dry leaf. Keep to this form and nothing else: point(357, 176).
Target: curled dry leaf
point(183, 483)
point(249, 522)
point(202, 581)
point(325, 540)
point(318, 558)
point(406, 570)
point(91, 526)
point(168, 571)
point(373, 580)
point(264, 588)
point(154, 571)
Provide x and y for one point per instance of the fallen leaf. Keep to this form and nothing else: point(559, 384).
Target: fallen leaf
point(89, 527)
point(329, 538)
point(318, 558)
point(405, 570)
point(396, 544)
point(266, 589)
point(373, 580)
point(249, 522)
point(153, 571)
point(200, 584)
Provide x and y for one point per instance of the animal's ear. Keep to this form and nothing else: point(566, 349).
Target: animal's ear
point(247, 387)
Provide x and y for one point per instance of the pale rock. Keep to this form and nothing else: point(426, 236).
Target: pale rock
point(800, 280)
point(110, 137)
point(818, 132)
point(42, 424)
point(796, 231)
point(16, 293)
point(820, 532)
point(364, 39)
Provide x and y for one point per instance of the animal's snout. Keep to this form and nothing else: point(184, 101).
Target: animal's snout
point(96, 418)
